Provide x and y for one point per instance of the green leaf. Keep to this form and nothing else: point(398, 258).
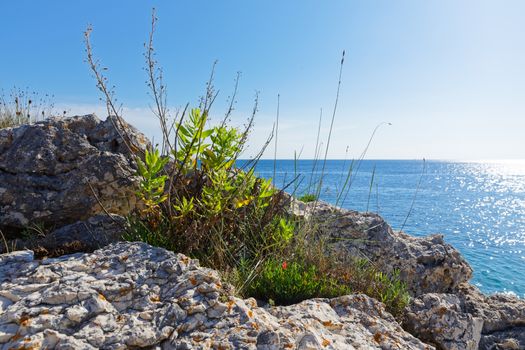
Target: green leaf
point(206, 133)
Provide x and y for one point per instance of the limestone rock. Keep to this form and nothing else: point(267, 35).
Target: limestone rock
point(446, 311)
point(512, 339)
point(427, 265)
point(47, 168)
point(503, 315)
point(346, 322)
point(468, 320)
point(131, 295)
point(441, 319)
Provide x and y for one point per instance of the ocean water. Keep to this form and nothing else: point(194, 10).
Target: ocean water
point(478, 206)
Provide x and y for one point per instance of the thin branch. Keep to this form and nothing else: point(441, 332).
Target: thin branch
point(5, 242)
point(316, 152)
point(276, 134)
point(349, 181)
point(158, 89)
point(104, 208)
point(108, 94)
point(231, 107)
point(415, 195)
point(331, 124)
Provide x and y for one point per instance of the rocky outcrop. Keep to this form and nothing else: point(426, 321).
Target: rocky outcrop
point(441, 319)
point(503, 315)
point(49, 171)
point(347, 322)
point(427, 265)
point(500, 311)
point(131, 295)
point(446, 310)
point(468, 320)
point(512, 339)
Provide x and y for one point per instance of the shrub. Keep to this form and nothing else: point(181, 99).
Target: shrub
point(309, 267)
point(336, 272)
point(390, 290)
point(211, 209)
point(196, 200)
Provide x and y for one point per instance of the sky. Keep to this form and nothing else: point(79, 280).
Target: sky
point(448, 75)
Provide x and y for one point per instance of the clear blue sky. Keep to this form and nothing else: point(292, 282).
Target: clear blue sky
point(448, 75)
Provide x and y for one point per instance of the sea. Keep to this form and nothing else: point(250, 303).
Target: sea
point(478, 206)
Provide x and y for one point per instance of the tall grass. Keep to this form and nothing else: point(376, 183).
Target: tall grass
point(370, 188)
point(276, 135)
point(423, 171)
point(320, 185)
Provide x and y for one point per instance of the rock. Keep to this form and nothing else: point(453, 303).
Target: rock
point(446, 310)
point(441, 319)
point(93, 233)
point(131, 295)
point(47, 168)
point(468, 320)
point(427, 265)
point(346, 322)
point(503, 315)
point(500, 311)
point(513, 339)
point(82, 236)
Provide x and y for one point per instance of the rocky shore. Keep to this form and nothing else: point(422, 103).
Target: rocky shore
point(115, 295)
point(131, 295)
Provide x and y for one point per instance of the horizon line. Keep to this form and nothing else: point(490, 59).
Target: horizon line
point(481, 160)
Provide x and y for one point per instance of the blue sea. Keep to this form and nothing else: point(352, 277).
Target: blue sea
point(478, 206)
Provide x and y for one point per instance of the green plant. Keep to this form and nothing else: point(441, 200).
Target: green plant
point(288, 282)
point(345, 273)
point(151, 188)
point(363, 277)
point(195, 198)
point(390, 290)
point(308, 197)
point(140, 230)
point(197, 201)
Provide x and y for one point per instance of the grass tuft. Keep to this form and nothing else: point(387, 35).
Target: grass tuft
point(21, 106)
point(307, 198)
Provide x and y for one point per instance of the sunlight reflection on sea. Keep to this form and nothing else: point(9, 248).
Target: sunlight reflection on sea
point(478, 206)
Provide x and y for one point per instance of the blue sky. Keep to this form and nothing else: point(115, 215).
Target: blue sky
point(448, 75)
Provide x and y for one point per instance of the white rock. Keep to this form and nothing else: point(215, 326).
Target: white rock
point(173, 304)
